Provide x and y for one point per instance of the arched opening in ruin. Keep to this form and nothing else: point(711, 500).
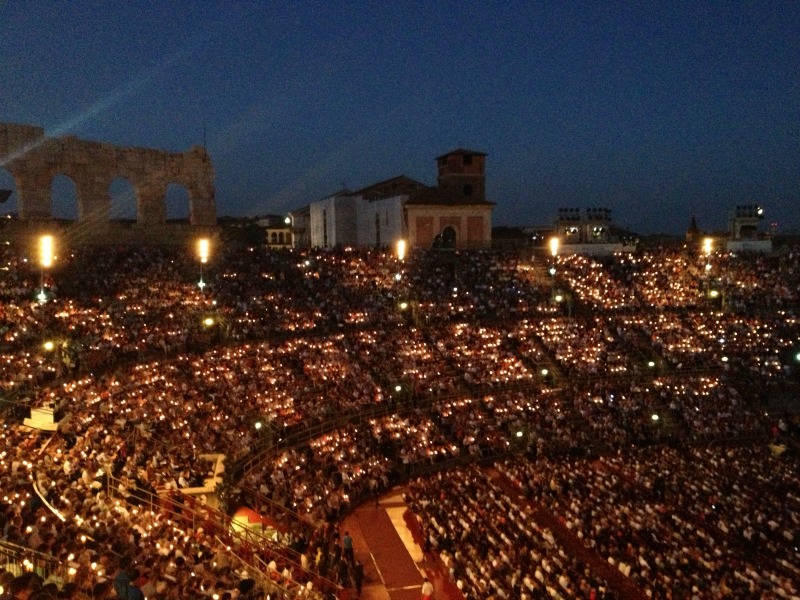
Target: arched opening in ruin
point(9, 207)
point(64, 198)
point(177, 203)
point(124, 202)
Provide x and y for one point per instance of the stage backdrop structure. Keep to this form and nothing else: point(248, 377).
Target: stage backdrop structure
point(35, 160)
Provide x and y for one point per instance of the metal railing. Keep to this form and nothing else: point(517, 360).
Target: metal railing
point(19, 560)
point(278, 512)
point(252, 546)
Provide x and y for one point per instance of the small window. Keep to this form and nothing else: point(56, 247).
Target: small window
point(467, 159)
point(468, 189)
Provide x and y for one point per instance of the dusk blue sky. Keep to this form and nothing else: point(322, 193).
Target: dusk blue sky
point(655, 110)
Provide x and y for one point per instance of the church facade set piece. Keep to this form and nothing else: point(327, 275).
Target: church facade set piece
point(453, 215)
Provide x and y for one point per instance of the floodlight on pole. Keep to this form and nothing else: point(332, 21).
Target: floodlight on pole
point(203, 252)
point(46, 257)
point(554, 244)
point(46, 245)
point(203, 249)
point(708, 246)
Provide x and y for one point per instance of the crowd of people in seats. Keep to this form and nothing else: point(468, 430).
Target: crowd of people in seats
point(493, 545)
point(376, 368)
point(694, 522)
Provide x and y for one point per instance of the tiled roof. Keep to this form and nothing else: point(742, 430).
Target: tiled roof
point(395, 186)
point(341, 192)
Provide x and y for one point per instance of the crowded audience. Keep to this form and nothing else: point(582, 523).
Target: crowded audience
point(368, 370)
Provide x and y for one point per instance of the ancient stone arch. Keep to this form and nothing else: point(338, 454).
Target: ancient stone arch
point(34, 160)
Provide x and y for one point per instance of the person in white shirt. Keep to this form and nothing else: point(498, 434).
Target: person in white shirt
point(427, 589)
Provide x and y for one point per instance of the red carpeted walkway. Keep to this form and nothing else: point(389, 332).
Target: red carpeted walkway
point(397, 569)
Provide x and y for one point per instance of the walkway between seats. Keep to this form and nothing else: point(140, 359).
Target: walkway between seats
point(393, 563)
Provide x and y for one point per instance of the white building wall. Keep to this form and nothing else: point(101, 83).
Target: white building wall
point(760, 246)
point(316, 210)
point(338, 215)
point(301, 229)
point(389, 213)
point(351, 220)
point(345, 225)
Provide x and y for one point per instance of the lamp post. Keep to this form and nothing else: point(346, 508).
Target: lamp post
point(554, 243)
point(708, 246)
point(203, 252)
point(401, 250)
point(46, 244)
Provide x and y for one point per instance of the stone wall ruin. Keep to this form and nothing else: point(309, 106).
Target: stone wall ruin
point(34, 160)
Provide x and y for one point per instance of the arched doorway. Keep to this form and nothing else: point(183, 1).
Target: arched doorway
point(177, 203)
point(446, 239)
point(64, 198)
point(124, 202)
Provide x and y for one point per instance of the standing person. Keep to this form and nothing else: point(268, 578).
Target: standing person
point(347, 548)
point(122, 581)
point(427, 589)
point(337, 552)
point(358, 578)
point(134, 592)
